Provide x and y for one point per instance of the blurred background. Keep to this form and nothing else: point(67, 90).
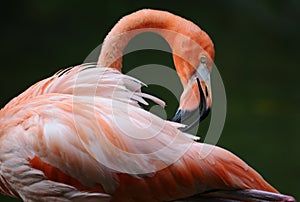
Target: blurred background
point(257, 52)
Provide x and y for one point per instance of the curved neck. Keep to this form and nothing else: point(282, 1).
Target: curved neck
point(186, 40)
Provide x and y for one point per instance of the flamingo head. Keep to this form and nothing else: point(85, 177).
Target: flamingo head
point(196, 96)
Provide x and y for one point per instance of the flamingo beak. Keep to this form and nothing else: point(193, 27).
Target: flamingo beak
point(197, 94)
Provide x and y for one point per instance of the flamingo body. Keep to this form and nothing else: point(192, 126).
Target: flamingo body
point(43, 147)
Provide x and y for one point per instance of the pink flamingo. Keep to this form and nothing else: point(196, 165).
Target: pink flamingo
point(67, 137)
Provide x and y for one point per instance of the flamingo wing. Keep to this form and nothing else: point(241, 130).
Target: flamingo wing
point(41, 157)
point(66, 138)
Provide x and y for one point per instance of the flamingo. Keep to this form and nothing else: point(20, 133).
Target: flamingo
point(81, 134)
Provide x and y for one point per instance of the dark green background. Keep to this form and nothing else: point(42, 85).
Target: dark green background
point(257, 52)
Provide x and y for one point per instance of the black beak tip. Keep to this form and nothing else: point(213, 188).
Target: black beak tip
point(182, 115)
point(204, 113)
point(177, 117)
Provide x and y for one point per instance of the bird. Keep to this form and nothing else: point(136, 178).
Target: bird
point(82, 135)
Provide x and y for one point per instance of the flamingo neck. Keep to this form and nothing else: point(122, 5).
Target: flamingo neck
point(186, 40)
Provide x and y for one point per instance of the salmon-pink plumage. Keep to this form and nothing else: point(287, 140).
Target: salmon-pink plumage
point(81, 134)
